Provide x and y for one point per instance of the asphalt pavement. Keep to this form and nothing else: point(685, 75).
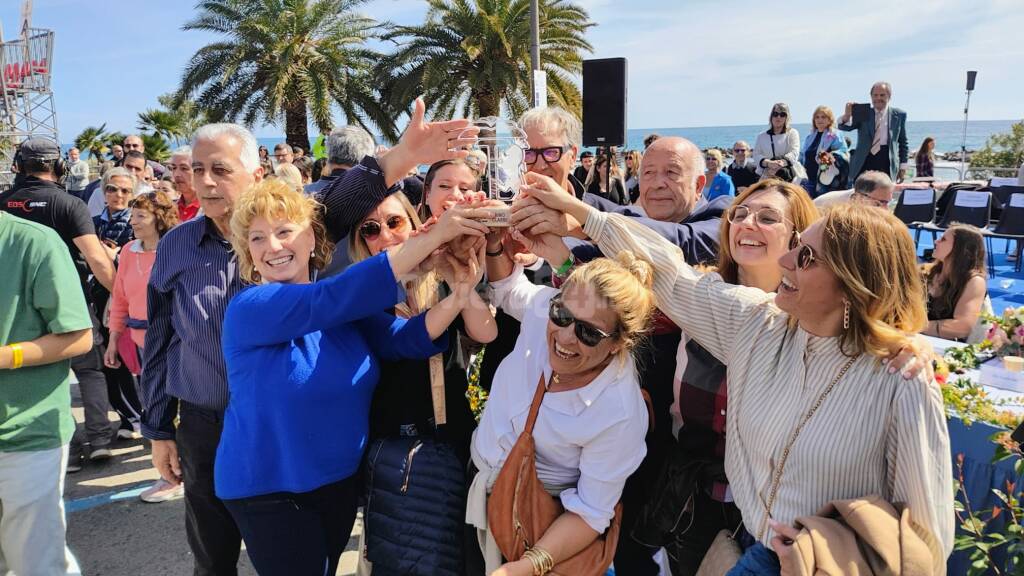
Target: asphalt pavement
point(113, 533)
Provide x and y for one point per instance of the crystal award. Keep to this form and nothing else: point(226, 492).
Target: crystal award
point(498, 155)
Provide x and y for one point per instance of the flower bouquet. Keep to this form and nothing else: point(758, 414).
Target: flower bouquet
point(825, 159)
point(1006, 333)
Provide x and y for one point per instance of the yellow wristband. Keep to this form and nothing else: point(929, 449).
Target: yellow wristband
point(17, 356)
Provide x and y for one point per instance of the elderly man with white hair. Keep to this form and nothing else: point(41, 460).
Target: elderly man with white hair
point(881, 134)
point(194, 277)
point(346, 147)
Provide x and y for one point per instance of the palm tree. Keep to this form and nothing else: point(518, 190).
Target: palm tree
point(286, 60)
point(156, 147)
point(190, 116)
point(163, 122)
point(94, 141)
point(473, 57)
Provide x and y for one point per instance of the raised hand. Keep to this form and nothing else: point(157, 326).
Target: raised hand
point(458, 221)
point(425, 143)
point(547, 246)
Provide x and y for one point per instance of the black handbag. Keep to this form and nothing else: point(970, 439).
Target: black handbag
point(416, 499)
point(786, 174)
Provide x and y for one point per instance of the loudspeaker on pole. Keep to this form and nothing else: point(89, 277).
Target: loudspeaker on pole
point(604, 102)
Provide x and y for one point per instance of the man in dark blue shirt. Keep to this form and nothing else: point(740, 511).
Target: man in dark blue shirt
point(194, 277)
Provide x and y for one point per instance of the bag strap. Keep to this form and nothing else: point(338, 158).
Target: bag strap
point(538, 397)
point(771, 138)
point(789, 445)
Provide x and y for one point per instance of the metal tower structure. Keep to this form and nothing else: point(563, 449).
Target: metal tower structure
point(26, 100)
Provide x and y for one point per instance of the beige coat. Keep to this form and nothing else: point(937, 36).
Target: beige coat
point(864, 536)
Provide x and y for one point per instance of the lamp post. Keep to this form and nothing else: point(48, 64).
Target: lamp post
point(540, 84)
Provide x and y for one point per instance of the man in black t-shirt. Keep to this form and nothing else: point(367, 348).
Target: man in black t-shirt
point(37, 197)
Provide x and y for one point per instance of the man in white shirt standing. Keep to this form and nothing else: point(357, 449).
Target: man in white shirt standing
point(78, 173)
point(880, 130)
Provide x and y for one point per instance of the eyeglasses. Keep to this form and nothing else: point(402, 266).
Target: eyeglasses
point(779, 115)
point(805, 257)
point(551, 154)
point(132, 146)
point(153, 198)
point(588, 334)
point(371, 229)
point(876, 202)
point(740, 150)
point(111, 189)
point(766, 216)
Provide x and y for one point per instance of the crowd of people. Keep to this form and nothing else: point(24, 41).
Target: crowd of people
point(679, 355)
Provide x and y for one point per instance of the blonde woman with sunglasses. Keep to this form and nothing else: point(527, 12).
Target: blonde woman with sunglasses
point(815, 413)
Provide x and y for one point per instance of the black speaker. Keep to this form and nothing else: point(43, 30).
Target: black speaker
point(971, 76)
point(604, 102)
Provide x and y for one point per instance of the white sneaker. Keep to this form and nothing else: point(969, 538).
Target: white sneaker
point(101, 453)
point(162, 491)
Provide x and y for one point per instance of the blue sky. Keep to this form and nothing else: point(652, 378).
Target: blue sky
point(691, 63)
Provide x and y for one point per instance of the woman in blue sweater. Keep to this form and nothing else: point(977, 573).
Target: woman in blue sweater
point(303, 360)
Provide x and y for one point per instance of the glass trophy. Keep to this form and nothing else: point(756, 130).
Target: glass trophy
point(498, 156)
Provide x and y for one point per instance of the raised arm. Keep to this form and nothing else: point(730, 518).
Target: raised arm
point(704, 306)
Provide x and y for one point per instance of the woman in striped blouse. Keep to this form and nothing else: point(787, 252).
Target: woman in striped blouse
point(815, 415)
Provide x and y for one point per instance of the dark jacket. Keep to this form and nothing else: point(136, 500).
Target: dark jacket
point(615, 193)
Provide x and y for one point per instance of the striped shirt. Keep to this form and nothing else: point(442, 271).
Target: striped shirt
point(193, 278)
point(876, 433)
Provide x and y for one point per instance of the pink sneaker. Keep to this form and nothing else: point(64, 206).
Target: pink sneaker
point(162, 491)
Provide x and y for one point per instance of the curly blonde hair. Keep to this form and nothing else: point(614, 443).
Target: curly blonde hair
point(625, 284)
point(275, 199)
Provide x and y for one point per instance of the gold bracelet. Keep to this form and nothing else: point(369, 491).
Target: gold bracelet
point(547, 562)
point(534, 561)
point(540, 559)
point(17, 356)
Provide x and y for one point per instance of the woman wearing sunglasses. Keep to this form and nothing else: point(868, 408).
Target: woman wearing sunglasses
point(758, 229)
point(590, 428)
point(153, 214)
point(815, 415)
point(302, 361)
point(777, 150)
point(402, 405)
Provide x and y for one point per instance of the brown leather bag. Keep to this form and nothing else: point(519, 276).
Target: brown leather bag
point(519, 510)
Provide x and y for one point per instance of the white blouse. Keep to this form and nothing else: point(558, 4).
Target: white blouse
point(786, 146)
point(588, 440)
point(876, 433)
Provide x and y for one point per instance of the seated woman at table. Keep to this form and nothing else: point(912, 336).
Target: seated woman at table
point(816, 415)
point(303, 359)
point(956, 283)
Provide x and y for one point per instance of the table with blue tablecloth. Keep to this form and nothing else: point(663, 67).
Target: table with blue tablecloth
point(981, 475)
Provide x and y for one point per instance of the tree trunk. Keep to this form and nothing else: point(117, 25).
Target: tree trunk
point(296, 133)
point(488, 103)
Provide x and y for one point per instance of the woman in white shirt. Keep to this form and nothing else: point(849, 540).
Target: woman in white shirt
point(777, 150)
point(589, 432)
point(814, 413)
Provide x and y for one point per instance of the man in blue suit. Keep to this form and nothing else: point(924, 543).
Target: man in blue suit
point(880, 129)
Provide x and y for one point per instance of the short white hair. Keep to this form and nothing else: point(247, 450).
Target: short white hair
point(552, 118)
point(250, 153)
point(122, 172)
point(182, 151)
point(884, 85)
point(346, 146)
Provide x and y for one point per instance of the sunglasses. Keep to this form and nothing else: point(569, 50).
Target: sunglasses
point(371, 229)
point(779, 114)
point(550, 154)
point(740, 150)
point(111, 189)
point(153, 198)
point(588, 334)
point(766, 216)
point(805, 257)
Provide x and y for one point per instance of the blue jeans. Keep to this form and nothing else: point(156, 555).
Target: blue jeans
point(757, 561)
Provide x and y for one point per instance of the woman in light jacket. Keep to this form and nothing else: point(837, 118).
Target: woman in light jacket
point(776, 152)
point(823, 139)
